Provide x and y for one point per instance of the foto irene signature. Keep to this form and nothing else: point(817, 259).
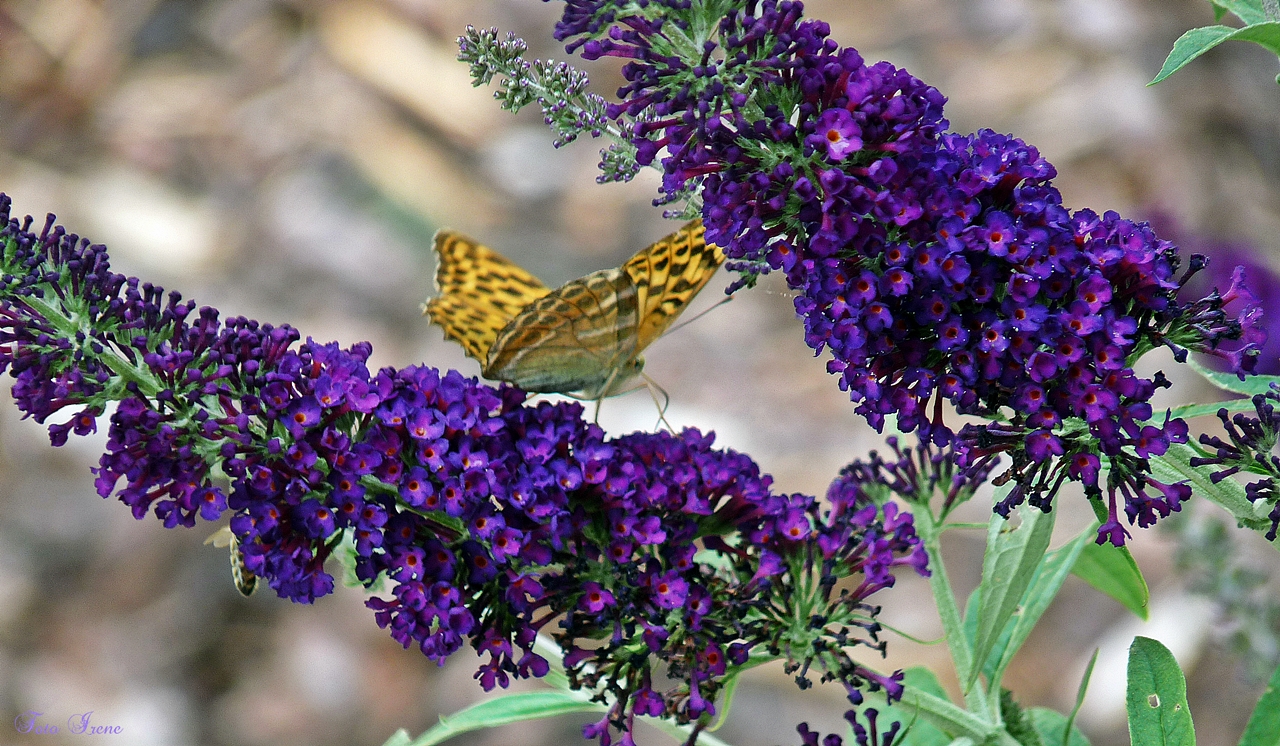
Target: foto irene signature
point(78, 724)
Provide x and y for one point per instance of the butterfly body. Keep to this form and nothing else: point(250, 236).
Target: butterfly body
point(583, 338)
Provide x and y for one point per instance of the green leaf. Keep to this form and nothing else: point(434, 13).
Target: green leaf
point(1007, 569)
point(399, 738)
point(1050, 725)
point(916, 730)
point(681, 733)
point(1081, 691)
point(509, 708)
point(1191, 45)
point(547, 704)
point(1113, 571)
point(1156, 697)
point(1264, 724)
point(1249, 11)
point(930, 704)
point(1197, 41)
point(1175, 466)
point(971, 615)
point(1190, 411)
point(1045, 584)
point(729, 689)
point(1231, 382)
point(1265, 34)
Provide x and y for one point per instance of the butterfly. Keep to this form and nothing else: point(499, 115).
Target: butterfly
point(245, 581)
point(583, 338)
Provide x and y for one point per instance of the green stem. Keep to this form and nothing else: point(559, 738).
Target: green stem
point(969, 526)
point(68, 327)
point(948, 611)
point(954, 720)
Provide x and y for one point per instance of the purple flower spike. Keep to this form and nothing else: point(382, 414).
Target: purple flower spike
point(935, 267)
point(486, 515)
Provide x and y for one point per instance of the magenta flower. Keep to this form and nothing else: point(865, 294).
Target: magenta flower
point(836, 133)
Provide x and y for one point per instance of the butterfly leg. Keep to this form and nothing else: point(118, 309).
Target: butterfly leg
point(654, 389)
point(604, 391)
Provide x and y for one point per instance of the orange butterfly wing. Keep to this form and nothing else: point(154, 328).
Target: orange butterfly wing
point(667, 275)
point(580, 338)
point(585, 336)
point(479, 292)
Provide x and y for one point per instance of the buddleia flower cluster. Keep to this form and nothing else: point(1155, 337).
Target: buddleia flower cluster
point(915, 475)
point(487, 517)
point(559, 90)
point(934, 267)
point(1249, 449)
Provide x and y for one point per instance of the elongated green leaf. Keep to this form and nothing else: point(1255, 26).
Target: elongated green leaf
point(1249, 11)
point(1081, 691)
point(1007, 569)
point(1175, 466)
point(726, 700)
point(399, 738)
point(1264, 724)
point(681, 732)
point(1197, 41)
point(917, 731)
point(1113, 571)
point(510, 708)
point(1189, 411)
point(971, 615)
point(930, 704)
point(1156, 697)
point(1266, 35)
point(1051, 725)
point(1191, 45)
point(1045, 584)
point(1231, 382)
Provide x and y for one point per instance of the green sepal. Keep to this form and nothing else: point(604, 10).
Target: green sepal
point(1264, 724)
point(1156, 697)
point(1197, 41)
point(1113, 571)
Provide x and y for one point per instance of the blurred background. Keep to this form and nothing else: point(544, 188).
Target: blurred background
point(290, 160)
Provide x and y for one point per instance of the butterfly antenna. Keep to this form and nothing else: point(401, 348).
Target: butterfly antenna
point(687, 322)
point(654, 389)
